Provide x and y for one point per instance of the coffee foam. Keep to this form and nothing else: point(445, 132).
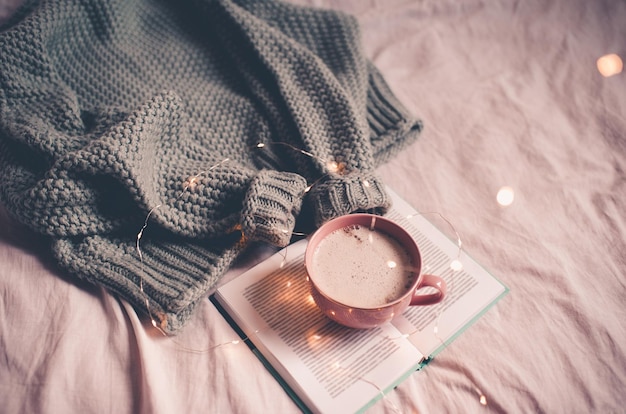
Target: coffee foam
point(361, 267)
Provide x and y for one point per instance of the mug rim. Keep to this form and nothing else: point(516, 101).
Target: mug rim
point(357, 218)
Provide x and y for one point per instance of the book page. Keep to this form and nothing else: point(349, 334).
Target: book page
point(332, 368)
point(471, 289)
point(337, 369)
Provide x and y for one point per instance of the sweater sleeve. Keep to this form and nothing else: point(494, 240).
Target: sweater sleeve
point(104, 180)
point(307, 68)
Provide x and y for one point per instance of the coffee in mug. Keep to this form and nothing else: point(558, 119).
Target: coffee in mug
point(365, 269)
point(362, 267)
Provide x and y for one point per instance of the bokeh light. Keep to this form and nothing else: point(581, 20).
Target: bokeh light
point(456, 265)
point(609, 65)
point(505, 196)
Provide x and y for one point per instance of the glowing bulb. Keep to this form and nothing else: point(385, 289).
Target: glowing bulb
point(335, 167)
point(456, 265)
point(481, 397)
point(191, 183)
point(609, 65)
point(505, 196)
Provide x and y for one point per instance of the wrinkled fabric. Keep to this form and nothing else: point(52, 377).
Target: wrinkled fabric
point(510, 95)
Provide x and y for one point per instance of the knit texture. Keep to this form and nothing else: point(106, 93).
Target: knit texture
point(114, 111)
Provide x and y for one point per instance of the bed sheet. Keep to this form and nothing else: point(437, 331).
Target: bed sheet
point(511, 96)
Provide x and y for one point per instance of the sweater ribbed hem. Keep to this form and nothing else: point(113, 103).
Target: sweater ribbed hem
point(176, 274)
point(271, 206)
point(348, 194)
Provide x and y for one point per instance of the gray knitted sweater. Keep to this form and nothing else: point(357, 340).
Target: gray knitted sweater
point(109, 107)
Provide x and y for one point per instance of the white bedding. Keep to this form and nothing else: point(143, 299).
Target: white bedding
point(510, 95)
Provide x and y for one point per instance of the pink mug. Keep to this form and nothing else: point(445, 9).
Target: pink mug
point(388, 233)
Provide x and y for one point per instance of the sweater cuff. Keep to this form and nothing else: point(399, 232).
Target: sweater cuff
point(391, 125)
point(348, 194)
point(271, 206)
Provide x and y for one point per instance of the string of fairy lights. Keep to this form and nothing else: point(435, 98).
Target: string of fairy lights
point(334, 168)
point(608, 65)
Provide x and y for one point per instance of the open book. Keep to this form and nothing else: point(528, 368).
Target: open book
point(326, 367)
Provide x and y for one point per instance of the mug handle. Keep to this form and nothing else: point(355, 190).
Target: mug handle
point(431, 298)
